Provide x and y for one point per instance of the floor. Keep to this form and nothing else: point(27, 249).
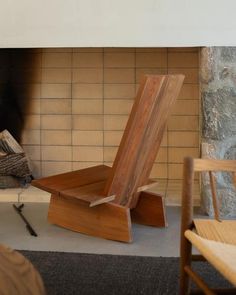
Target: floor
point(147, 241)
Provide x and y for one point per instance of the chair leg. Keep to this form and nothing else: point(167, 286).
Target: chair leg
point(150, 210)
point(186, 223)
point(185, 259)
point(109, 221)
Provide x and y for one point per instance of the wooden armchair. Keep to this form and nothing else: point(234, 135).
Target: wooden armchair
point(214, 239)
point(98, 200)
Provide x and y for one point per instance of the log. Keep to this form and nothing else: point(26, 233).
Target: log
point(13, 161)
point(8, 144)
point(15, 165)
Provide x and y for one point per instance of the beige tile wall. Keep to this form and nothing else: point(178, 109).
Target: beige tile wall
point(81, 99)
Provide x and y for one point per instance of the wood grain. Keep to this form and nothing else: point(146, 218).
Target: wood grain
point(74, 179)
point(212, 229)
point(149, 210)
point(18, 275)
point(186, 223)
point(109, 221)
point(145, 187)
point(214, 165)
point(91, 193)
point(102, 201)
point(142, 137)
point(214, 196)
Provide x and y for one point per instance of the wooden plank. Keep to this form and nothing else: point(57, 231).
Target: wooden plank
point(142, 137)
point(102, 201)
point(91, 193)
point(112, 198)
point(109, 221)
point(146, 186)
point(88, 192)
point(214, 165)
point(61, 182)
point(149, 210)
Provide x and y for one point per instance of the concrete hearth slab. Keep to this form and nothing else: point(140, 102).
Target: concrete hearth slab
point(29, 194)
point(147, 240)
point(171, 190)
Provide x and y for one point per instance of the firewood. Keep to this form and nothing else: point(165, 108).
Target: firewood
point(13, 161)
point(8, 144)
point(14, 164)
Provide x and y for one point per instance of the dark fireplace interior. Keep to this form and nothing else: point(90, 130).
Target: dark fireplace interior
point(16, 66)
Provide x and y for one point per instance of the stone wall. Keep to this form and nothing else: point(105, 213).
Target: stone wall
point(218, 96)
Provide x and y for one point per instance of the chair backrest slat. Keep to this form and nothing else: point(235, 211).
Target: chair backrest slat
point(142, 137)
point(214, 165)
point(202, 165)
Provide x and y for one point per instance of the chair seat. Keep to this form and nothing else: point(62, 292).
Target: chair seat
point(214, 239)
point(57, 184)
point(221, 231)
point(91, 193)
point(222, 256)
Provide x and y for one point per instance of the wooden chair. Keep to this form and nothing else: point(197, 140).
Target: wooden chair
point(214, 239)
point(98, 200)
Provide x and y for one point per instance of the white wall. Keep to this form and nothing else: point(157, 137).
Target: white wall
point(129, 23)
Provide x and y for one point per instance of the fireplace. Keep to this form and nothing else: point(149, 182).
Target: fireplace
point(71, 105)
point(81, 98)
point(76, 103)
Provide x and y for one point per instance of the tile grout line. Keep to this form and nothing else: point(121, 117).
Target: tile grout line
point(167, 130)
point(103, 106)
point(71, 111)
point(40, 95)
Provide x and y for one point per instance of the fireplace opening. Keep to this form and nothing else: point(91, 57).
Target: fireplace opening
point(17, 68)
point(11, 115)
point(74, 104)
